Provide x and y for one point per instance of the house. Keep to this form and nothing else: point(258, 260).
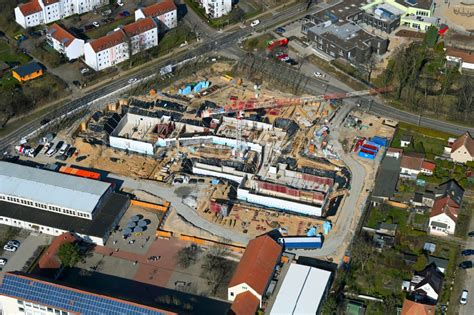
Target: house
point(461, 57)
point(443, 216)
point(37, 12)
point(423, 199)
point(164, 13)
point(394, 152)
point(462, 150)
point(428, 198)
point(426, 285)
point(441, 263)
point(414, 308)
point(406, 140)
point(115, 47)
point(64, 42)
point(417, 200)
point(452, 189)
point(28, 72)
point(427, 168)
point(216, 8)
point(429, 247)
point(255, 270)
point(410, 165)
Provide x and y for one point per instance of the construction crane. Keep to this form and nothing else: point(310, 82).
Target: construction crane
point(254, 104)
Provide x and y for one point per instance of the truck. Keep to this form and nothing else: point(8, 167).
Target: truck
point(305, 242)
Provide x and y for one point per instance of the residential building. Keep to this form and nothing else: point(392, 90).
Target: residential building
point(426, 285)
point(37, 12)
point(64, 42)
point(462, 150)
point(55, 203)
point(387, 15)
point(406, 140)
point(302, 291)
point(394, 152)
point(441, 263)
point(452, 189)
point(254, 272)
point(115, 47)
point(348, 41)
point(444, 216)
point(413, 308)
point(26, 72)
point(216, 8)
point(22, 294)
point(462, 57)
point(413, 164)
point(164, 12)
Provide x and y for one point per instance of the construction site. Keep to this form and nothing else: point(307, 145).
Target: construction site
point(253, 159)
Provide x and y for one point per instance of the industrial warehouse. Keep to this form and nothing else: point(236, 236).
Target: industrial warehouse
point(54, 203)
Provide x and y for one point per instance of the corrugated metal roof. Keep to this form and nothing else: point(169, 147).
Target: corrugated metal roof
point(301, 291)
point(51, 188)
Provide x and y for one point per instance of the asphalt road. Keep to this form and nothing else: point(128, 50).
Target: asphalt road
point(468, 284)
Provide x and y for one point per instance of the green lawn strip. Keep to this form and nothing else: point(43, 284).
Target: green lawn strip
point(104, 29)
point(259, 42)
point(8, 55)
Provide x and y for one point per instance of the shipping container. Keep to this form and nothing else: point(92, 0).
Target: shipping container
point(313, 242)
point(368, 151)
point(380, 141)
point(373, 144)
point(79, 172)
point(370, 147)
point(366, 155)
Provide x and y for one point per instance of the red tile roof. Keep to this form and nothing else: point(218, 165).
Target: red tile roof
point(413, 308)
point(245, 304)
point(61, 35)
point(465, 55)
point(49, 259)
point(139, 26)
point(30, 8)
point(427, 165)
point(257, 264)
point(412, 161)
point(160, 8)
point(445, 205)
point(108, 41)
point(464, 140)
point(48, 2)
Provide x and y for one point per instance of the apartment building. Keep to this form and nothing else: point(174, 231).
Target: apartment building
point(64, 42)
point(37, 12)
point(115, 47)
point(216, 8)
point(164, 13)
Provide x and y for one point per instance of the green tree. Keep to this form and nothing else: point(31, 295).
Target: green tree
point(431, 37)
point(329, 306)
point(69, 254)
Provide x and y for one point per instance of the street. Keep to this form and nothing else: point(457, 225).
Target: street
point(468, 284)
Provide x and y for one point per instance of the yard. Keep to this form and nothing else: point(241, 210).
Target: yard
point(11, 57)
point(257, 43)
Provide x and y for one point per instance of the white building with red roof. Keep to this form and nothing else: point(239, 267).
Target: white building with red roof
point(444, 216)
point(64, 42)
point(165, 13)
point(462, 150)
point(37, 12)
point(115, 47)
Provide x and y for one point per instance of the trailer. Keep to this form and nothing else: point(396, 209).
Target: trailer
point(308, 242)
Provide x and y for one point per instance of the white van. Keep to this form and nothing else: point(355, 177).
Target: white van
point(63, 149)
point(51, 151)
point(464, 295)
point(255, 23)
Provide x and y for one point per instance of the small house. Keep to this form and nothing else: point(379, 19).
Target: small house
point(394, 152)
point(27, 72)
point(406, 140)
point(462, 150)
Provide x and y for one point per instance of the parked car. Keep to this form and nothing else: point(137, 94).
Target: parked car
point(3, 261)
point(124, 13)
point(467, 252)
point(96, 24)
point(81, 158)
point(70, 152)
point(254, 23)
point(88, 27)
point(84, 70)
point(61, 157)
point(45, 121)
point(464, 295)
point(318, 74)
point(10, 248)
point(471, 234)
point(51, 151)
point(132, 80)
point(14, 243)
point(466, 264)
point(64, 149)
point(59, 145)
point(280, 30)
point(120, 3)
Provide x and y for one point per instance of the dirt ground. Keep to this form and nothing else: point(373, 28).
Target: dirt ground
point(455, 12)
point(102, 157)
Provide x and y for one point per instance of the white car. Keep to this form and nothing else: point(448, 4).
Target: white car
point(132, 80)
point(10, 248)
point(120, 3)
point(255, 23)
point(96, 24)
point(14, 243)
point(84, 70)
point(3, 261)
point(318, 74)
point(464, 295)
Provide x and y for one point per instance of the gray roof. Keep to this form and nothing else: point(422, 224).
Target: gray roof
point(387, 177)
point(50, 187)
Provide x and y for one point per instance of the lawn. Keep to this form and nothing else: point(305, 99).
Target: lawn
point(258, 43)
point(8, 55)
point(104, 29)
point(425, 140)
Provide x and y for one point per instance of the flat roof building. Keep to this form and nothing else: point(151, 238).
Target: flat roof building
point(303, 290)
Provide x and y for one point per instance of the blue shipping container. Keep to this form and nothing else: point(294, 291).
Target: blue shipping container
point(366, 155)
point(380, 141)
